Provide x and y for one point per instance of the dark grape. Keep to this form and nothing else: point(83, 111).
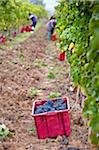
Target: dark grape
point(47, 108)
point(58, 103)
point(72, 148)
point(49, 102)
point(62, 107)
point(50, 106)
point(39, 110)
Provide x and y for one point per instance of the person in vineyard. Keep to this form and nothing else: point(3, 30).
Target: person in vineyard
point(51, 27)
point(33, 18)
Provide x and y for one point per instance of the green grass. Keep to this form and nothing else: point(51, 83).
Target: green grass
point(4, 131)
point(18, 39)
point(40, 63)
point(50, 75)
point(44, 64)
point(54, 95)
point(21, 56)
point(33, 92)
point(32, 130)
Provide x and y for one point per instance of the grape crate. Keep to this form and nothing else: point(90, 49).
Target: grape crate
point(51, 117)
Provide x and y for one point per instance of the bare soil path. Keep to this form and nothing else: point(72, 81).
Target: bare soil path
point(29, 65)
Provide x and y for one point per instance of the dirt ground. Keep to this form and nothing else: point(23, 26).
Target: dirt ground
point(27, 66)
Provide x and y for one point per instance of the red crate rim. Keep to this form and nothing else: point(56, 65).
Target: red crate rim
point(50, 113)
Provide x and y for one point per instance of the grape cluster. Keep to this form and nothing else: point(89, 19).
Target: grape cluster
point(50, 106)
point(72, 148)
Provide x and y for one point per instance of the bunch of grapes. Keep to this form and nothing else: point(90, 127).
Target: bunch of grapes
point(51, 106)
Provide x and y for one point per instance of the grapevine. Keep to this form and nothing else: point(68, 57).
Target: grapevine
point(78, 25)
point(14, 13)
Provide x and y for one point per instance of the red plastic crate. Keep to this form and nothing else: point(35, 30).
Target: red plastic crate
point(26, 29)
point(62, 56)
point(2, 39)
point(54, 38)
point(52, 124)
